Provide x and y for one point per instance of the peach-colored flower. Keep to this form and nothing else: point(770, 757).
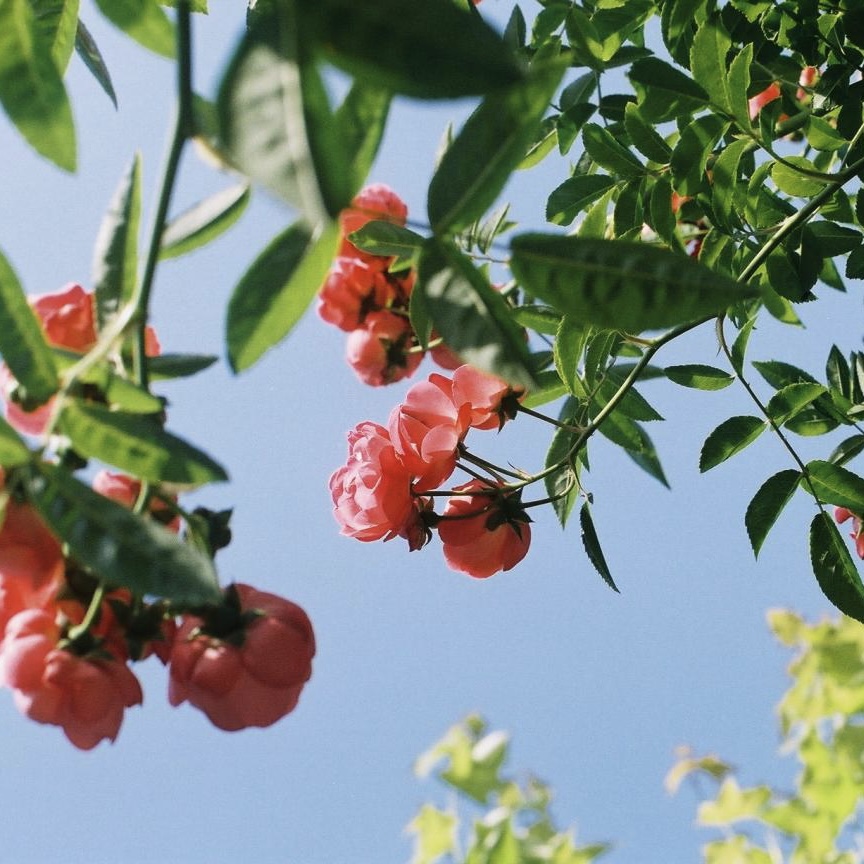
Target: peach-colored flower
point(376, 202)
point(251, 672)
point(68, 320)
point(371, 493)
point(31, 562)
point(492, 401)
point(380, 352)
point(484, 533)
point(125, 490)
point(756, 103)
point(351, 291)
point(85, 696)
point(427, 428)
point(841, 514)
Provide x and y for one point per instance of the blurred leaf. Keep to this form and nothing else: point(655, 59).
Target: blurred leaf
point(178, 365)
point(613, 284)
point(542, 319)
point(592, 546)
point(22, 342)
point(733, 803)
point(273, 293)
point(434, 50)
point(435, 834)
point(31, 88)
point(57, 22)
point(767, 505)
point(835, 485)
point(488, 149)
point(115, 256)
point(138, 444)
point(834, 569)
point(472, 318)
point(13, 451)
point(205, 221)
point(699, 377)
point(360, 122)
point(548, 388)
point(729, 438)
point(123, 549)
point(88, 51)
point(142, 20)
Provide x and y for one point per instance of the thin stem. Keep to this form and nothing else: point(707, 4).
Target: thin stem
point(568, 426)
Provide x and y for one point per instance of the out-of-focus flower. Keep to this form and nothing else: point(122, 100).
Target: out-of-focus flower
point(380, 351)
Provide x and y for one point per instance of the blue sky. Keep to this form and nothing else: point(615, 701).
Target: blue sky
point(597, 688)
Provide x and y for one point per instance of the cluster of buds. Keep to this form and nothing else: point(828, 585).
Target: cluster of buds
point(370, 303)
point(67, 641)
point(388, 485)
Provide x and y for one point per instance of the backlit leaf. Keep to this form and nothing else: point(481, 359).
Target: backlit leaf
point(834, 568)
point(142, 20)
point(836, 485)
point(729, 438)
point(767, 504)
point(592, 546)
point(699, 377)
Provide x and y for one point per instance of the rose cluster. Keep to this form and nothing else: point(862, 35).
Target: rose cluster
point(67, 641)
point(388, 484)
point(369, 302)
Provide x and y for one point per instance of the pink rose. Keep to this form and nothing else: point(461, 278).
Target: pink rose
point(492, 401)
point(85, 696)
point(68, 319)
point(496, 537)
point(371, 493)
point(426, 430)
point(352, 290)
point(374, 203)
point(380, 351)
point(250, 672)
point(31, 562)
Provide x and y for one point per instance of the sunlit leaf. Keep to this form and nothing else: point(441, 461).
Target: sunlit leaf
point(123, 549)
point(57, 22)
point(142, 20)
point(767, 505)
point(13, 451)
point(561, 486)
point(360, 122)
point(790, 400)
point(612, 284)
point(31, 87)
point(138, 444)
point(835, 485)
point(205, 221)
point(699, 376)
point(275, 291)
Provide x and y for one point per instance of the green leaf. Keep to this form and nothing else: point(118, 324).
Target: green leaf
point(613, 284)
point(660, 215)
point(436, 834)
point(433, 49)
point(739, 346)
point(737, 83)
point(607, 152)
point(13, 451)
point(561, 486)
point(855, 264)
point(699, 377)
point(471, 316)
point(88, 51)
point(115, 256)
point(779, 374)
point(167, 366)
point(570, 341)
point(821, 135)
point(541, 319)
point(834, 484)
point(138, 444)
point(793, 177)
point(790, 400)
point(123, 549)
point(832, 239)
point(690, 154)
point(767, 505)
point(834, 568)
point(708, 53)
point(381, 237)
point(644, 136)
point(142, 20)
point(204, 222)
point(729, 438)
point(488, 149)
point(646, 457)
point(360, 122)
point(724, 189)
point(573, 196)
point(592, 546)
point(664, 92)
point(22, 342)
point(31, 88)
point(275, 122)
point(633, 405)
point(57, 22)
point(273, 293)
point(847, 450)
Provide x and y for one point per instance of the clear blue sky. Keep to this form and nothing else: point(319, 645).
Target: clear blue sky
point(598, 689)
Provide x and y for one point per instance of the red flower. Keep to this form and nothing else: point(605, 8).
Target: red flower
point(371, 494)
point(380, 352)
point(841, 514)
point(351, 291)
point(426, 430)
point(485, 533)
point(492, 401)
point(250, 672)
point(85, 696)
